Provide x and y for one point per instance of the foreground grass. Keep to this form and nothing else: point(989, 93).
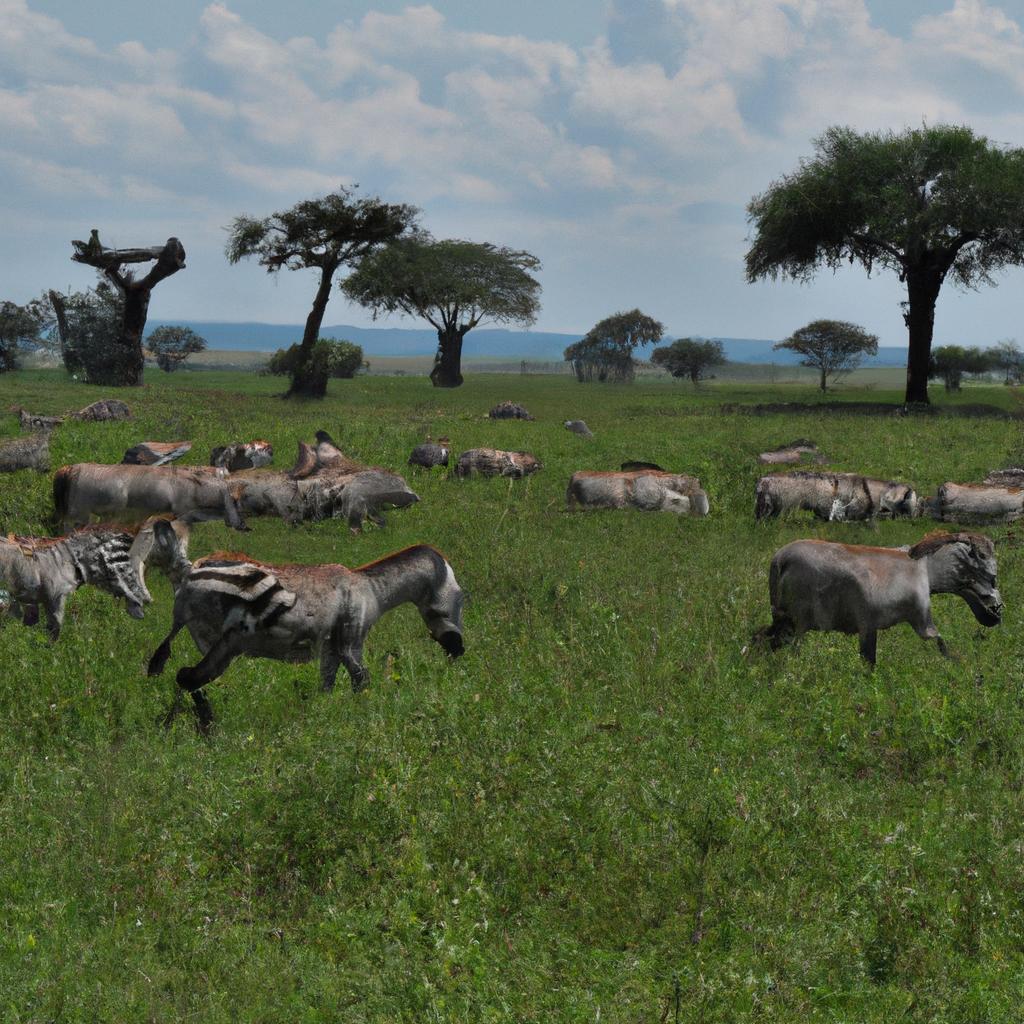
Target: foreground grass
point(601, 807)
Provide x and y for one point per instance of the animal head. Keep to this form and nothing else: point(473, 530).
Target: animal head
point(968, 561)
point(103, 557)
point(162, 542)
point(899, 500)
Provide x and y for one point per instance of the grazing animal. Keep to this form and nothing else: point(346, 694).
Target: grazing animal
point(233, 605)
point(431, 453)
point(645, 489)
point(45, 571)
point(579, 427)
point(977, 503)
point(32, 452)
point(821, 585)
point(492, 462)
point(834, 496)
point(197, 492)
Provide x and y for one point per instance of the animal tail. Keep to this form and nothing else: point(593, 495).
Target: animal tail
point(61, 490)
point(764, 507)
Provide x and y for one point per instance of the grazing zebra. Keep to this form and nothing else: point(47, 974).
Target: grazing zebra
point(47, 570)
point(233, 605)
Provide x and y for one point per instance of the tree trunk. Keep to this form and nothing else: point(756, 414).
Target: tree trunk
point(308, 380)
point(823, 382)
point(447, 371)
point(922, 294)
point(61, 315)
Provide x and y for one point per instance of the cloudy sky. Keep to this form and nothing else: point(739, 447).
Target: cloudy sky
point(618, 140)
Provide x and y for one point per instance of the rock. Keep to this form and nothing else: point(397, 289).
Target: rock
point(32, 452)
point(509, 411)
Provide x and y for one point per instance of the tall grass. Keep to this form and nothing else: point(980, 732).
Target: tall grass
point(602, 806)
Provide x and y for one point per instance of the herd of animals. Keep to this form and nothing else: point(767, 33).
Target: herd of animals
point(235, 605)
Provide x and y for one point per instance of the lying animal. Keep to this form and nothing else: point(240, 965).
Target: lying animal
point(32, 452)
point(155, 453)
point(834, 496)
point(430, 454)
point(104, 409)
point(242, 455)
point(198, 492)
point(820, 585)
point(45, 571)
point(645, 489)
point(792, 453)
point(977, 503)
point(509, 411)
point(492, 462)
point(232, 606)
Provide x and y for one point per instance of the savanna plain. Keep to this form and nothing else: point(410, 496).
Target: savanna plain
point(604, 811)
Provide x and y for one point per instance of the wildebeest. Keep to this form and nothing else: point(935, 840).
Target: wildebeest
point(834, 496)
point(431, 453)
point(242, 455)
point(821, 585)
point(196, 492)
point(509, 411)
point(492, 462)
point(977, 503)
point(233, 605)
point(645, 489)
point(32, 452)
point(45, 571)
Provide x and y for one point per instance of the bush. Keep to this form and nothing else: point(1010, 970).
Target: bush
point(172, 345)
point(89, 326)
point(328, 358)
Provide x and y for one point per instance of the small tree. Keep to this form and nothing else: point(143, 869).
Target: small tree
point(320, 234)
point(329, 358)
point(172, 345)
point(928, 203)
point(690, 357)
point(951, 362)
point(124, 361)
point(832, 347)
point(20, 328)
point(1007, 357)
point(88, 326)
point(605, 352)
point(452, 284)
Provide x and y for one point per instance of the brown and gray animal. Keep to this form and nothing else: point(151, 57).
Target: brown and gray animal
point(233, 605)
point(1012, 476)
point(32, 452)
point(242, 455)
point(579, 427)
point(977, 503)
point(155, 453)
point(197, 492)
point(791, 454)
point(509, 411)
point(104, 409)
point(431, 453)
point(645, 489)
point(834, 496)
point(493, 462)
point(45, 571)
point(848, 588)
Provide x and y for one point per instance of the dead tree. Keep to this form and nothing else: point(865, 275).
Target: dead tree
point(126, 365)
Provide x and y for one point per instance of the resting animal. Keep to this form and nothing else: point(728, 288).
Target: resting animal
point(820, 585)
point(646, 489)
point(233, 605)
point(833, 496)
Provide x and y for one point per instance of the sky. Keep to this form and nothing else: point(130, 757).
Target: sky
point(617, 140)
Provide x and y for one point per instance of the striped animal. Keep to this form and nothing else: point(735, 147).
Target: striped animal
point(45, 571)
point(233, 605)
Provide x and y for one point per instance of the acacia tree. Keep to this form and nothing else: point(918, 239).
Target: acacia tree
point(951, 362)
point(171, 345)
point(320, 234)
point(452, 284)
point(690, 357)
point(605, 352)
point(928, 203)
point(832, 347)
point(124, 359)
point(1007, 356)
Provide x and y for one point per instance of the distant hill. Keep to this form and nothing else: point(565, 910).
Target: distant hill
point(484, 343)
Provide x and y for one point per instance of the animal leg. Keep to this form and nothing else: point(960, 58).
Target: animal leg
point(351, 656)
point(926, 631)
point(330, 660)
point(868, 646)
point(212, 666)
point(158, 661)
point(54, 616)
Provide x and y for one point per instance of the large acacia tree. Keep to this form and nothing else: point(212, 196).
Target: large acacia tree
point(452, 284)
point(928, 203)
point(322, 234)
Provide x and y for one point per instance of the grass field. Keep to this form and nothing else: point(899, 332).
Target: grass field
point(604, 812)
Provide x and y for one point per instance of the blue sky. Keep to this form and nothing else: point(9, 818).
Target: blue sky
point(618, 140)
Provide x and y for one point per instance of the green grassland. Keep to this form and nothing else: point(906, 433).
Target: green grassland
point(602, 808)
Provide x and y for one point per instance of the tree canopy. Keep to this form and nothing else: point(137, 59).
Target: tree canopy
point(171, 345)
point(832, 347)
point(927, 203)
point(453, 284)
point(690, 357)
point(324, 234)
point(951, 362)
point(605, 352)
point(19, 330)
